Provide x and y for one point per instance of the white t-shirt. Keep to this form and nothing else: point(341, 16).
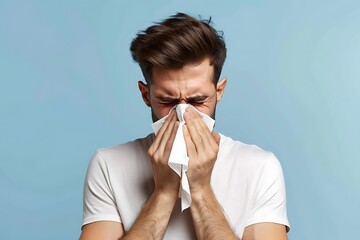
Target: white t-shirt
point(247, 181)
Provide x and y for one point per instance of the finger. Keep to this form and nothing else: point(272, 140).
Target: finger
point(163, 129)
point(169, 143)
point(202, 129)
point(193, 130)
point(167, 133)
point(190, 147)
point(216, 137)
point(155, 145)
point(198, 130)
point(209, 137)
point(206, 135)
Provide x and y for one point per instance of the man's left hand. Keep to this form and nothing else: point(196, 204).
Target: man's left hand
point(202, 147)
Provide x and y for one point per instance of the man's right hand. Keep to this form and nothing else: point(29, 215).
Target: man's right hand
point(167, 182)
point(154, 217)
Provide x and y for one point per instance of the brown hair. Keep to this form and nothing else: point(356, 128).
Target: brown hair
point(177, 41)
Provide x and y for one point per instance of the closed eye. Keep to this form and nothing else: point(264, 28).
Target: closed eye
point(196, 103)
point(168, 103)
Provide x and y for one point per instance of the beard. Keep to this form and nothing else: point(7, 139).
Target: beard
point(155, 118)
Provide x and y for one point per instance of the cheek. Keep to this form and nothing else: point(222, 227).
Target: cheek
point(163, 111)
point(206, 109)
point(160, 110)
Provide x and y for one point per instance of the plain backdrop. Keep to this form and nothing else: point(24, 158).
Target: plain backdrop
point(69, 86)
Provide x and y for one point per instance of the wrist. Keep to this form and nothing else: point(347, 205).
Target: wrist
point(167, 197)
point(201, 193)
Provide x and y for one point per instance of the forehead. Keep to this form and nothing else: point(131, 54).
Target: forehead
point(196, 73)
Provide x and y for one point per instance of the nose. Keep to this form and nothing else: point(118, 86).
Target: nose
point(182, 101)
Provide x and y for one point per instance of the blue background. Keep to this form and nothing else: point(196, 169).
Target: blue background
point(69, 86)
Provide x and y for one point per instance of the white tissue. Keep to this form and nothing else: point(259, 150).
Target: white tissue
point(178, 160)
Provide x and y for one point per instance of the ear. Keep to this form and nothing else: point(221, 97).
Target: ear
point(145, 93)
point(220, 87)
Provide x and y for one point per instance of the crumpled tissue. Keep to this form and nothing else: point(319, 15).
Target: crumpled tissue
point(178, 160)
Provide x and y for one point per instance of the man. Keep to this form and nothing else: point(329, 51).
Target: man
point(237, 190)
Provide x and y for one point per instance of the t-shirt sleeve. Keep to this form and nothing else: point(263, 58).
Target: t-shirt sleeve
point(98, 203)
point(270, 196)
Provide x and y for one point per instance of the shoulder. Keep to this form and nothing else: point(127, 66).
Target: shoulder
point(249, 159)
point(120, 158)
point(254, 181)
point(125, 150)
point(244, 152)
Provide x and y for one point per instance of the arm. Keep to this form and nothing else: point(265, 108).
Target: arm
point(154, 217)
point(265, 231)
point(151, 223)
point(208, 217)
point(102, 230)
point(209, 221)
point(202, 146)
point(261, 231)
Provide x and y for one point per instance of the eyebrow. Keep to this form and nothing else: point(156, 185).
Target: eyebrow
point(197, 98)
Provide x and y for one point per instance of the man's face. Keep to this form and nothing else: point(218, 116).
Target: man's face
point(192, 84)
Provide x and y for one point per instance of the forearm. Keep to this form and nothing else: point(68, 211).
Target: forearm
point(153, 219)
point(209, 220)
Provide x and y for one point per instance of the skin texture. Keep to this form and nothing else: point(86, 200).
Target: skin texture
point(192, 84)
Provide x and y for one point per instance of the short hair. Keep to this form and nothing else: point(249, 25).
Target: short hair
point(177, 41)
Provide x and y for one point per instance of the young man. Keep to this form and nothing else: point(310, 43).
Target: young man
point(237, 190)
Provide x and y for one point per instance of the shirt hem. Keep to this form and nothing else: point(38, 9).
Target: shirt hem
point(111, 218)
point(269, 220)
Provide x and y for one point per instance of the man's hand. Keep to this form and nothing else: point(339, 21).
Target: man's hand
point(154, 217)
point(202, 147)
point(166, 180)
